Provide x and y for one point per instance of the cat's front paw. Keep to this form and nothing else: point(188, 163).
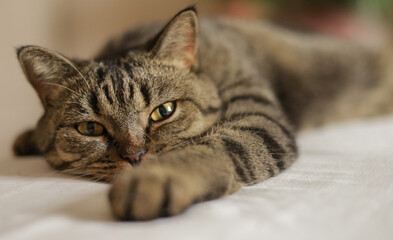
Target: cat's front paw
point(148, 193)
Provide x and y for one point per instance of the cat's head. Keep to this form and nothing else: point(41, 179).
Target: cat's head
point(107, 114)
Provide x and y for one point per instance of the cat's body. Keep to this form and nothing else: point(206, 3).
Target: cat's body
point(334, 79)
point(237, 93)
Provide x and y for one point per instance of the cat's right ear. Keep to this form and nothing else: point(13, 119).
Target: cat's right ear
point(45, 70)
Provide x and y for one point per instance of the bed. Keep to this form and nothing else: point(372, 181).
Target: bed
point(341, 187)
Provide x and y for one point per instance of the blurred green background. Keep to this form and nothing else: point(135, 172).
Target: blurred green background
point(365, 21)
point(377, 7)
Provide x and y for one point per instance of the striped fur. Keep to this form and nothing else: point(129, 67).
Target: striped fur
point(242, 90)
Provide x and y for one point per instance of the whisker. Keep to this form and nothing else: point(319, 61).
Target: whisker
point(79, 176)
point(58, 85)
point(73, 66)
point(102, 161)
point(99, 179)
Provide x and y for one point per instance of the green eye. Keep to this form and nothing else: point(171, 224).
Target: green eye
point(163, 111)
point(92, 129)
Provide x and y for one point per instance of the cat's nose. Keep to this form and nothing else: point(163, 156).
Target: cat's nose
point(134, 159)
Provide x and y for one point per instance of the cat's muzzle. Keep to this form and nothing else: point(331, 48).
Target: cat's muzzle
point(136, 158)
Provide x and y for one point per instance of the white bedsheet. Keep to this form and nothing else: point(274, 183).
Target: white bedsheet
point(341, 187)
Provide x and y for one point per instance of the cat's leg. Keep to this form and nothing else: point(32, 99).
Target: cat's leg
point(252, 143)
point(181, 178)
point(25, 145)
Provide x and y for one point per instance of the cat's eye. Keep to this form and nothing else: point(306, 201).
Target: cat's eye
point(92, 129)
point(163, 112)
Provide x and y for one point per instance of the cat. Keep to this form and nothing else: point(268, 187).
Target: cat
point(196, 109)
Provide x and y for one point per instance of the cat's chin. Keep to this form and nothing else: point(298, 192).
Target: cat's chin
point(123, 165)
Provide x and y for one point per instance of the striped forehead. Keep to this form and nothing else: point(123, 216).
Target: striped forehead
point(116, 87)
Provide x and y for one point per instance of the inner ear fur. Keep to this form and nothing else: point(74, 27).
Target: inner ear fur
point(45, 70)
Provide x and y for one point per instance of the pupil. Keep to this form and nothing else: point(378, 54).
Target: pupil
point(90, 127)
point(163, 111)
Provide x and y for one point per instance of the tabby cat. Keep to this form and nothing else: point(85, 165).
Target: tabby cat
point(194, 110)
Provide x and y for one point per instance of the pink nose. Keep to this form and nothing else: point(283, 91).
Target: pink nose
point(134, 159)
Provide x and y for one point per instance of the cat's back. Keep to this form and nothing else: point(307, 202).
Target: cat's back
point(221, 33)
point(255, 46)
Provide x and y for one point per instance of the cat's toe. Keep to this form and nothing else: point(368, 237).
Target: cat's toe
point(148, 194)
point(24, 144)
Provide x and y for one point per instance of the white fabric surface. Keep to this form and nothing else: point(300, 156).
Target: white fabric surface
point(341, 187)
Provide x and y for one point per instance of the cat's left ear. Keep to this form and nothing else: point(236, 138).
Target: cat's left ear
point(178, 41)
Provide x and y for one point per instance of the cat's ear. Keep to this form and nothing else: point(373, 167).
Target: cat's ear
point(45, 70)
point(179, 39)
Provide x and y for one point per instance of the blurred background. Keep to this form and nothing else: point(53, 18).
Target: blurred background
point(78, 28)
